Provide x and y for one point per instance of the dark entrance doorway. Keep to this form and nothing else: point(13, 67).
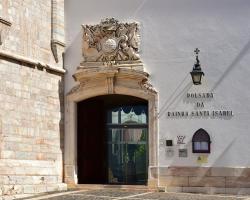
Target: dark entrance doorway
point(112, 140)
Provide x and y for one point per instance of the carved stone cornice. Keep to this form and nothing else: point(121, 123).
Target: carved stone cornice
point(92, 74)
point(29, 61)
point(124, 64)
point(110, 77)
point(87, 74)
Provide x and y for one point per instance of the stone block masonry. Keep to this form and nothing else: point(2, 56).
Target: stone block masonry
point(31, 28)
point(210, 180)
point(31, 130)
point(31, 99)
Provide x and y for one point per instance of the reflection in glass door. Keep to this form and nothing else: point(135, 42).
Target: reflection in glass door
point(127, 145)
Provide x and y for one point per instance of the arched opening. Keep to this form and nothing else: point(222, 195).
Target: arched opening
point(112, 140)
point(201, 141)
point(126, 86)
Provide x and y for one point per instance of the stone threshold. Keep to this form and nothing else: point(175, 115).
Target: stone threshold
point(106, 186)
point(30, 61)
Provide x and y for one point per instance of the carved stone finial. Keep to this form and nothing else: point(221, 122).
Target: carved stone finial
point(111, 41)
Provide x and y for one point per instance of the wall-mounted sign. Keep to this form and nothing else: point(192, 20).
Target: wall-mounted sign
point(202, 159)
point(183, 153)
point(180, 139)
point(203, 95)
point(169, 143)
point(169, 152)
point(199, 104)
point(162, 142)
point(203, 113)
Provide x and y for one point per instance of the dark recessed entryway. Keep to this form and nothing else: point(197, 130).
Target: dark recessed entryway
point(112, 140)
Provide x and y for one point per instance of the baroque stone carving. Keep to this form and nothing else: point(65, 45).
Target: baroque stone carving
point(111, 41)
point(147, 86)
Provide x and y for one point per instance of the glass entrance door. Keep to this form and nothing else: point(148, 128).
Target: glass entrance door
point(127, 145)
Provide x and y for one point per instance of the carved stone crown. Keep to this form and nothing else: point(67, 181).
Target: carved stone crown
point(109, 22)
point(111, 42)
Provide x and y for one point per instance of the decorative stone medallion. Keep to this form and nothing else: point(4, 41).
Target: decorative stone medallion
point(109, 45)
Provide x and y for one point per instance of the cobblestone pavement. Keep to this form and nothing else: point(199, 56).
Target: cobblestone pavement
point(121, 194)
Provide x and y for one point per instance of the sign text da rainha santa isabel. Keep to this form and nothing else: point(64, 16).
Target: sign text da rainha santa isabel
point(199, 103)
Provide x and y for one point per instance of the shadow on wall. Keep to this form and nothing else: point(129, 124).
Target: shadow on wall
point(73, 51)
point(61, 121)
point(72, 59)
point(175, 95)
point(219, 159)
point(238, 58)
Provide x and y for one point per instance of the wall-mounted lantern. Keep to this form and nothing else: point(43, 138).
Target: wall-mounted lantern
point(197, 73)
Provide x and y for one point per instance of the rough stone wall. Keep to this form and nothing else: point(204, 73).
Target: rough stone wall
point(31, 127)
point(31, 100)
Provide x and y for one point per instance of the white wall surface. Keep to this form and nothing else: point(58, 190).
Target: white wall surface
point(170, 31)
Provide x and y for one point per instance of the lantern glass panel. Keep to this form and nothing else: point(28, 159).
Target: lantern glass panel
point(196, 78)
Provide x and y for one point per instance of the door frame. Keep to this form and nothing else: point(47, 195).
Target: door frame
point(120, 126)
point(109, 81)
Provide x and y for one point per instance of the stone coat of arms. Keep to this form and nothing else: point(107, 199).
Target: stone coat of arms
point(111, 41)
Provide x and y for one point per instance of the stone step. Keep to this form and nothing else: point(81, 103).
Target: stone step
point(104, 186)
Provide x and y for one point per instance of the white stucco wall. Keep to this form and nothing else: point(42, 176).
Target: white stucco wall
point(170, 31)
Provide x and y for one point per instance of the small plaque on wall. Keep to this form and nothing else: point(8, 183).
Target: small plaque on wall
point(169, 143)
point(181, 139)
point(169, 152)
point(202, 159)
point(183, 153)
point(162, 143)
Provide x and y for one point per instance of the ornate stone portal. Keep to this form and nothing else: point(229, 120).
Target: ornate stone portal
point(111, 66)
